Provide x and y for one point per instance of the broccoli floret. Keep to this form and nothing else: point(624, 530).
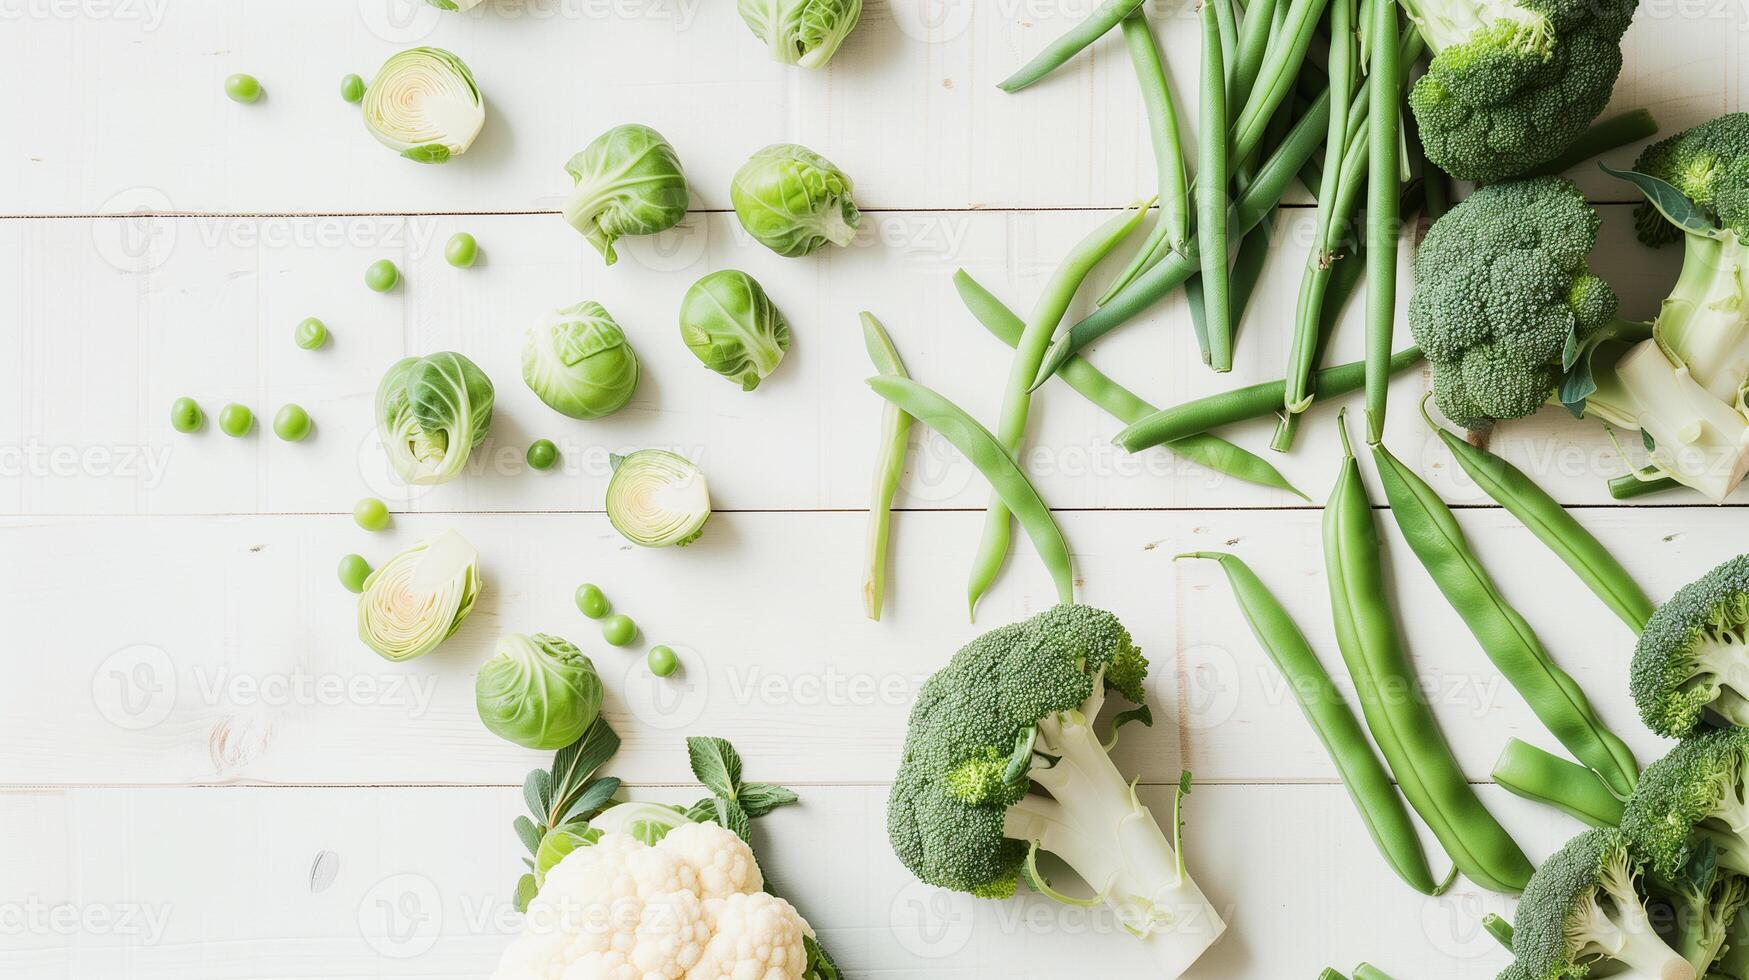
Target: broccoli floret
point(1709, 164)
point(1692, 660)
point(1513, 82)
point(1703, 906)
point(1001, 761)
point(1583, 908)
point(1692, 798)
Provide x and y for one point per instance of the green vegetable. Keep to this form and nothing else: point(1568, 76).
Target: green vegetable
point(538, 691)
point(628, 182)
point(657, 498)
point(619, 630)
point(1499, 928)
point(801, 32)
point(562, 800)
point(542, 454)
point(662, 660)
point(236, 420)
point(591, 601)
point(1584, 909)
point(311, 333)
point(242, 88)
point(456, 5)
point(291, 423)
point(578, 361)
point(889, 467)
point(1097, 25)
point(1172, 231)
point(424, 105)
point(1708, 164)
point(1384, 79)
point(960, 814)
point(419, 598)
point(371, 514)
point(186, 416)
point(1366, 971)
point(793, 200)
point(461, 250)
point(733, 327)
point(352, 89)
point(353, 571)
point(1211, 195)
point(1691, 667)
point(382, 276)
point(1527, 771)
point(1611, 134)
point(431, 412)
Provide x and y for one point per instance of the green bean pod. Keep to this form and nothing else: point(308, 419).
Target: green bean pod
point(1630, 485)
point(1172, 231)
point(980, 447)
point(1096, 26)
point(1366, 971)
point(1401, 723)
point(1433, 534)
point(1369, 786)
point(1499, 928)
point(1253, 44)
point(1543, 777)
point(1384, 172)
point(1211, 195)
point(889, 467)
point(1275, 78)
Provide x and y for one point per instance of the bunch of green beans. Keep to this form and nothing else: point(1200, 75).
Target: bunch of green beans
point(1543, 777)
point(889, 467)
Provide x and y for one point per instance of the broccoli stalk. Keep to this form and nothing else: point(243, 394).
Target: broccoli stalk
point(1704, 912)
point(1583, 909)
point(1611, 922)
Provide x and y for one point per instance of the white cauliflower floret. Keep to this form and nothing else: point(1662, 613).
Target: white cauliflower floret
point(758, 937)
point(723, 862)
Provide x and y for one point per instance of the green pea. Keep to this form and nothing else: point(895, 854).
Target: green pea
point(382, 275)
point(371, 514)
point(291, 423)
point(619, 630)
point(352, 88)
point(353, 571)
point(461, 250)
point(591, 601)
point(243, 88)
point(186, 416)
point(662, 661)
point(236, 420)
point(542, 454)
point(311, 333)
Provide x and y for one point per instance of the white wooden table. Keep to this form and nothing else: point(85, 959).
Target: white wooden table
point(188, 723)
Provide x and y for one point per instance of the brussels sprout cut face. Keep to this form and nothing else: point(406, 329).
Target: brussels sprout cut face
point(657, 498)
point(424, 105)
point(578, 362)
point(419, 598)
point(629, 182)
point(733, 327)
point(793, 200)
point(538, 691)
point(802, 32)
point(431, 412)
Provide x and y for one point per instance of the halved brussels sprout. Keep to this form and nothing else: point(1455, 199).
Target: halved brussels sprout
point(419, 598)
point(733, 327)
point(578, 361)
point(629, 182)
point(657, 498)
point(538, 691)
point(424, 105)
point(648, 822)
point(793, 200)
point(802, 32)
point(431, 412)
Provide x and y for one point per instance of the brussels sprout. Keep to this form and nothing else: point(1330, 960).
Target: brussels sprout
point(802, 32)
point(629, 182)
point(655, 498)
point(419, 598)
point(793, 200)
point(578, 361)
point(733, 327)
point(424, 105)
point(538, 691)
point(648, 822)
point(431, 412)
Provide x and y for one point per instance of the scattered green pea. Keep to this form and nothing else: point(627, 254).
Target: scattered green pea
point(353, 571)
point(591, 601)
point(382, 275)
point(371, 514)
point(619, 630)
point(291, 423)
point(542, 454)
point(243, 88)
point(461, 250)
point(662, 661)
point(186, 416)
point(311, 333)
point(236, 420)
point(352, 88)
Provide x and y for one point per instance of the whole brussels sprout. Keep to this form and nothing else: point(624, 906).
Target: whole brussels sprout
point(629, 182)
point(538, 691)
point(802, 32)
point(578, 361)
point(793, 200)
point(733, 327)
point(431, 412)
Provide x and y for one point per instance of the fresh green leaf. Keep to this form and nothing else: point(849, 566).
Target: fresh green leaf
point(594, 798)
point(1670, 202)
point(528, 833)
point(575, 765)
point(716, 764)
point(729, 814)
point(1020, 760)
point(759, 799)
point(537, 790)
point(1140, 713)
point(526, 889)
point(820, 965)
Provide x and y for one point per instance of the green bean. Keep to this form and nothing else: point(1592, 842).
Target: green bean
point(1172, 231)
point(889, 467)
point(1276, 76)
point(1401, 723)
point(1610, 134)
point(1369, 786)
point(982, 449)
point(1058, 293)
point(1248, 262)
point(1330, 974)
point(1499, 928)
point(1631, 485)
point(1210, 452)
point(1228, 27)
point(1211, 195)
point(1239, 404)
point(1543, 777)
point(1199, 321)
point(1253, 41)
point(1509, 487)
point(1366, 971)
point(1433, 534)
point(1344, 276)
point(1070, 44)
point(1384, 172)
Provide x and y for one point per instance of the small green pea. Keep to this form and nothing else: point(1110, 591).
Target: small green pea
point(662, 661)
point(353, 571)
point(291, 423)
point(619, 630)
point(542, 454)
point(461, 250)
point(186, 416)
point(352, 88)
point(371, 514)
point(591, 601)
point(311, 333)
point(243, 88)
point(236, 420)
point(382, 275)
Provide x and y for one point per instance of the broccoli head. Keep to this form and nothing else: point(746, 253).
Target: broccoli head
point(1691, 800)
point(1512, 83)
point(1709, 164)
point(1583, 908)
point(1001, 761)
point(1692, 661)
